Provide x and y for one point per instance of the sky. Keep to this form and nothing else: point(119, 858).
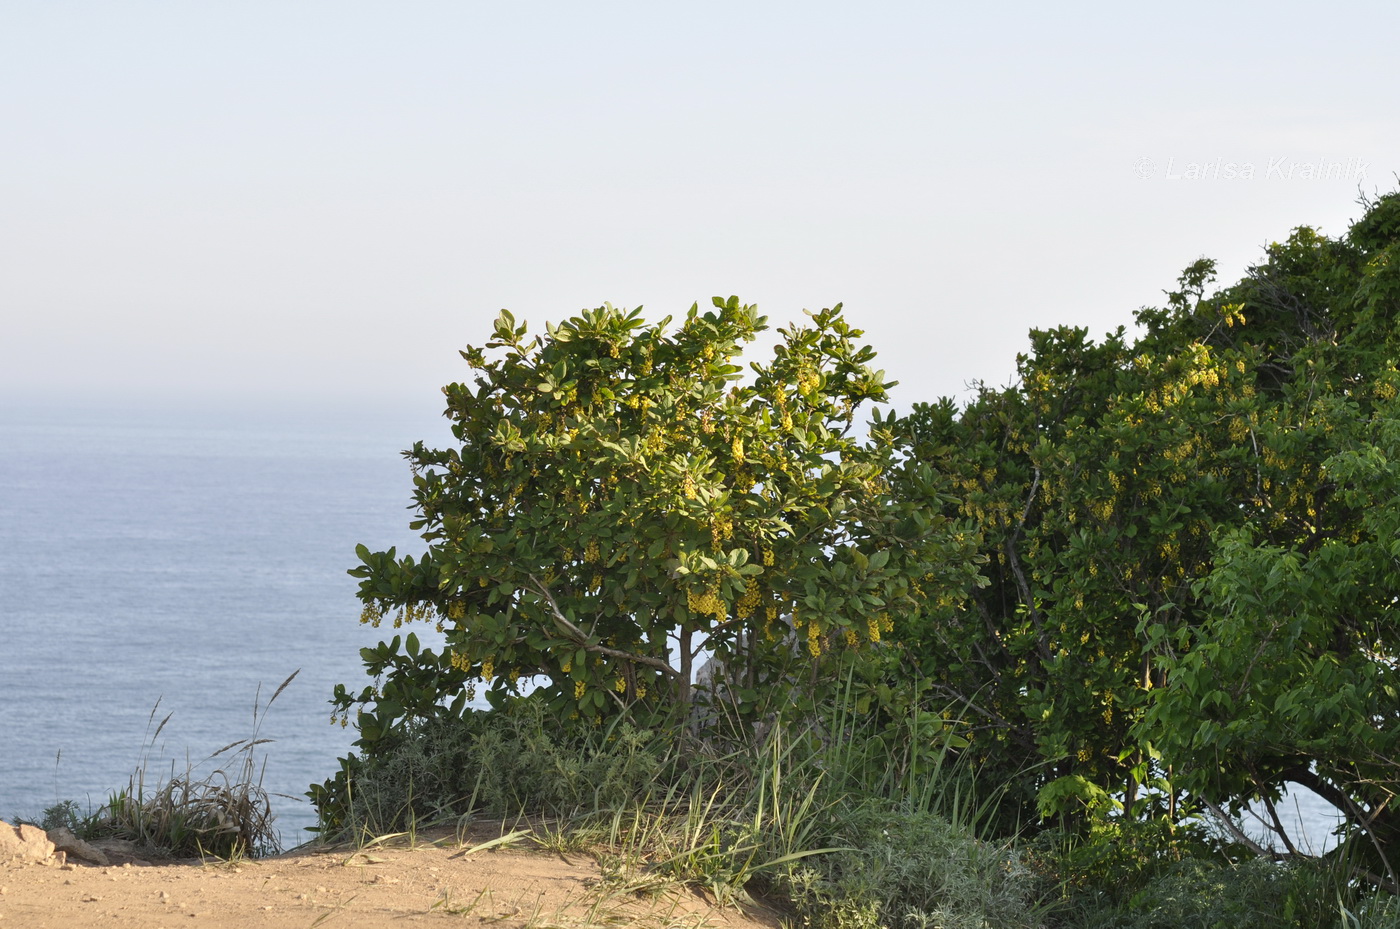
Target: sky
point(282, 204)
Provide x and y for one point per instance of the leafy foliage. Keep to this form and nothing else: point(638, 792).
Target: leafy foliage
point(1157, 576)
point(1189, 541)
point(623, 500)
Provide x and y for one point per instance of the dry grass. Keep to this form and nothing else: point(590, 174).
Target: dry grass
point(225, 813)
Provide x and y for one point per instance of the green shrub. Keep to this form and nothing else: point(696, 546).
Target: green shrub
point(500, 763)
point(907, 868)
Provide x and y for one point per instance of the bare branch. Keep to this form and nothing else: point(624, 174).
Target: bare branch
point(1230, 827)
point(1277, 827)
point(581, 638)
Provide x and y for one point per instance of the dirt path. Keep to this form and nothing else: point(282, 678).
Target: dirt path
point(437, 880)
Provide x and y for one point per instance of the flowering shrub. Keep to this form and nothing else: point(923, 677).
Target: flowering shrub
point(623, 499)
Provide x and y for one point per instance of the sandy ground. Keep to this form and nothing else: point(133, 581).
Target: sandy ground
point(438, 880)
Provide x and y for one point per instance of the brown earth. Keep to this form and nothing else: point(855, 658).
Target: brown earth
point(439, 879)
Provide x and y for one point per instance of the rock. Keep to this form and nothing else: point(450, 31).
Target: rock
point(121, 851)
point(64, 840)
point(24, 843)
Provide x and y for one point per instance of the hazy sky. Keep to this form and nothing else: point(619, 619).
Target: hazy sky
point(313, 201)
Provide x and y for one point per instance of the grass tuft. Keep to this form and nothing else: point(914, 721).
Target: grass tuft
point(225, 813)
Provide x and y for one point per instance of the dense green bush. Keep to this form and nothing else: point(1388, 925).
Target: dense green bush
point(1154, 577)
point(908, 868)
point(1214, 893)
point(501, 763)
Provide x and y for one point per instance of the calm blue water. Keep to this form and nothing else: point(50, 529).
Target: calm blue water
point(164, 557)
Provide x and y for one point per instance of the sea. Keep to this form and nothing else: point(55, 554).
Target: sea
point(164, 571)
point(171, 564)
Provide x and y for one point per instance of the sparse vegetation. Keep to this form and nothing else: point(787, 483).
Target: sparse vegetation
point(222, 813)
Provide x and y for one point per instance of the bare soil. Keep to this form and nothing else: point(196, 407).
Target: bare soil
point(439, 879)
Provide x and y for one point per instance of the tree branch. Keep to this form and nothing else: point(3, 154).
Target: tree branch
point(578, 636)
point(1230, 827)
point(1041, 645)
point(1277, 827)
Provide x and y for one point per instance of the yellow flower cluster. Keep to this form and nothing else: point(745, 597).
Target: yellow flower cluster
point(488, 669)
point(688, 487)
point(707, 603)
point(620, 684)
point(748, 602)
point(411, 612)
point(580, 688)
point(814, 638)
point(872, 628)
point(721, 528)
point(737, 449)
point(372, 614)
point(851, 640)
point(590, 551)
point(767, 557)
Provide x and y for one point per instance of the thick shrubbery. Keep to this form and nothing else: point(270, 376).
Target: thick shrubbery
point(516, 761)
point(1155, 579)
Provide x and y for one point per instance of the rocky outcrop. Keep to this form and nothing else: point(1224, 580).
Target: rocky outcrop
point(66, 841)
point(24, 843)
